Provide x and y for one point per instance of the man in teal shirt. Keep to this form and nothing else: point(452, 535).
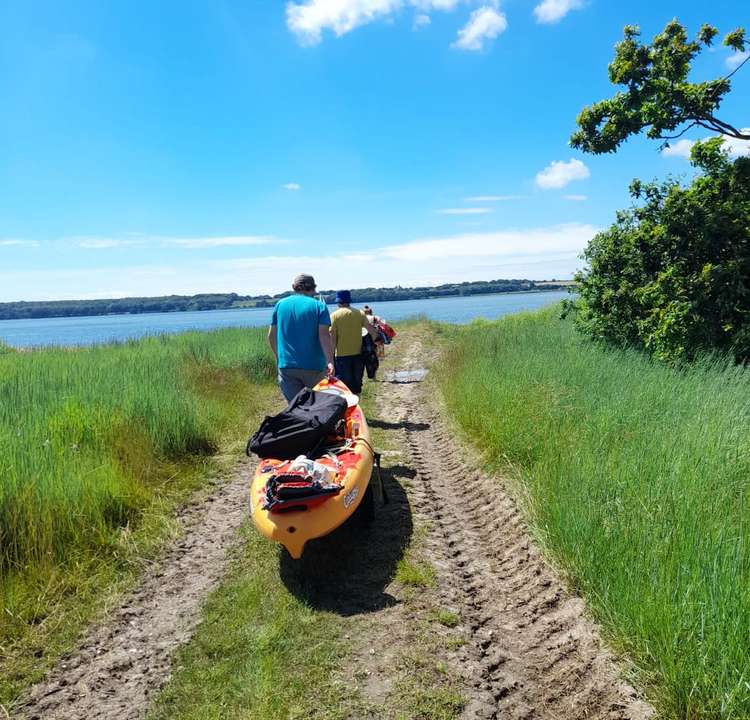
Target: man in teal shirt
point(300, 338)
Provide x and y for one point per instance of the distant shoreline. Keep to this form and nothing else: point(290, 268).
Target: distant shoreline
point(40, 310)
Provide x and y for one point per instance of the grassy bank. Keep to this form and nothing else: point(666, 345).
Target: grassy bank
point(636, 477)
point(97, 445)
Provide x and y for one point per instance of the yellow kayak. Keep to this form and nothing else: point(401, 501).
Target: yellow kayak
point(349, 466)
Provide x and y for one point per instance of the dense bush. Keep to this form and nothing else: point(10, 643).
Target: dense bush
point(672, 275)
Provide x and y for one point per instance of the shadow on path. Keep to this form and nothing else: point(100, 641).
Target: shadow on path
point(403, 425)
point(348, 571)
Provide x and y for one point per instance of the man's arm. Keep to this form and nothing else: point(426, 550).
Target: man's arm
point(324, 334)
point(334, 338)
point(272, 340)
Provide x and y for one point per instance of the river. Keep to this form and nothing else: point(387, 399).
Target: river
point(109, 328)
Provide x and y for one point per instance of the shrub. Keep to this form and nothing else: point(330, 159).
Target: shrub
point(672, 274)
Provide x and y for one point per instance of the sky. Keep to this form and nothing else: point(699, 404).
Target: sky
point(226, 145)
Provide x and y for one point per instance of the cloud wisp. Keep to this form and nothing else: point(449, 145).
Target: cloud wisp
point(464, 211)
point(293, 186)
point(223, 241)
point(536, 253)
point(485, 23)
point(191, 243)
point(15, 242)
point(558, 174)
point(421, 20)
point(493, 198)
point(736, 59)
point(552, 11)
point(105, 243)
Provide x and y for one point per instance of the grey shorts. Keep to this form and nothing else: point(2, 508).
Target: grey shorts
point(292, 380)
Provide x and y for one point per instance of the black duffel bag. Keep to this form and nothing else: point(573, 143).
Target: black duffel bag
point(300, 429)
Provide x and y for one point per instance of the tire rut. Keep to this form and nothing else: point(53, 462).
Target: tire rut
point(531, 651)
point(125, 659)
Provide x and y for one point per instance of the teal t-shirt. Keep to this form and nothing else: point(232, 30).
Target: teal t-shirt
point(297, 318)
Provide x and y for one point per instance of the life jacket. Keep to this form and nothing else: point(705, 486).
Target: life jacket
point(300, 484)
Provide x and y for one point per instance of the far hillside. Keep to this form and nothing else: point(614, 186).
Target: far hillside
point(228, 301)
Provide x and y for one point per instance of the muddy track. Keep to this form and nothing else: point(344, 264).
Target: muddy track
point(531, 651)
point(125, 660)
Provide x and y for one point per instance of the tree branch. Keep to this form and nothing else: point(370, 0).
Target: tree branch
point(727, 129)
point(737, 68)
point(679, 134)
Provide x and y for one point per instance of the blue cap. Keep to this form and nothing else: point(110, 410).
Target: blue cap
point(343, 296)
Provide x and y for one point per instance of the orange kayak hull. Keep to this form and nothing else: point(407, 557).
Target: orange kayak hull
point(353, 470)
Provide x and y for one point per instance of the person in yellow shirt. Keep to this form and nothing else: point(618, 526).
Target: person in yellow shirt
point(346, 333)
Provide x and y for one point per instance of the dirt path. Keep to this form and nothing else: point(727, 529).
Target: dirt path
point(123, 663)
point(526, 648)
point(447, 608)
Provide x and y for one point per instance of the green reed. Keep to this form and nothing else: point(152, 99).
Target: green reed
point(636, 478)
point(85, 433)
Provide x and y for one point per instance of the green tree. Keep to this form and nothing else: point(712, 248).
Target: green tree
point(672, 274)
point(658, 97)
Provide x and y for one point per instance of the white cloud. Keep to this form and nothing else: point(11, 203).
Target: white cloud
point(493, 198)
point(104, 243)
point(292, 186)
point(736, 59)
point(421, 20)
point(13, 242)
point(97, 243)
point(485, 23)
point(576, 198)
point(552, 11)
point(738, 147)
point(681, 148)
point(558, 174)
point(734, 146)
point(213, 242)
point(307, 20)
point(465, 211)
point(508, 243)
point(536, 253)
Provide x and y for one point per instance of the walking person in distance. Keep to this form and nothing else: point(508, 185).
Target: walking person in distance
point(346, 332)
point(300, 338)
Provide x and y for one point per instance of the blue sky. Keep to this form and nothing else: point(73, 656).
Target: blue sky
point(219, 145)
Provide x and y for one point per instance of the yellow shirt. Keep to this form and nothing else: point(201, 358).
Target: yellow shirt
point(347, 323)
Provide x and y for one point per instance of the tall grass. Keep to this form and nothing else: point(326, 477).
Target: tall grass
point(91, 438)
point(637, 478)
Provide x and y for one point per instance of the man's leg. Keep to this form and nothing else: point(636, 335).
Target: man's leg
point(358, 371)
point(344, 370)
point(289, 382)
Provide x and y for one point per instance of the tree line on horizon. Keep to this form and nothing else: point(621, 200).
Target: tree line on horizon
point(23, 310)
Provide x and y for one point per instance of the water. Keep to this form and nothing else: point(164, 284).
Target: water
point(108, 328)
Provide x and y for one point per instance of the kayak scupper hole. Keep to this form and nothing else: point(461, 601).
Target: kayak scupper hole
point(292, 529)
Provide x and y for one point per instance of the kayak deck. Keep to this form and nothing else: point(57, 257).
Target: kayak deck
point(351, 467)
